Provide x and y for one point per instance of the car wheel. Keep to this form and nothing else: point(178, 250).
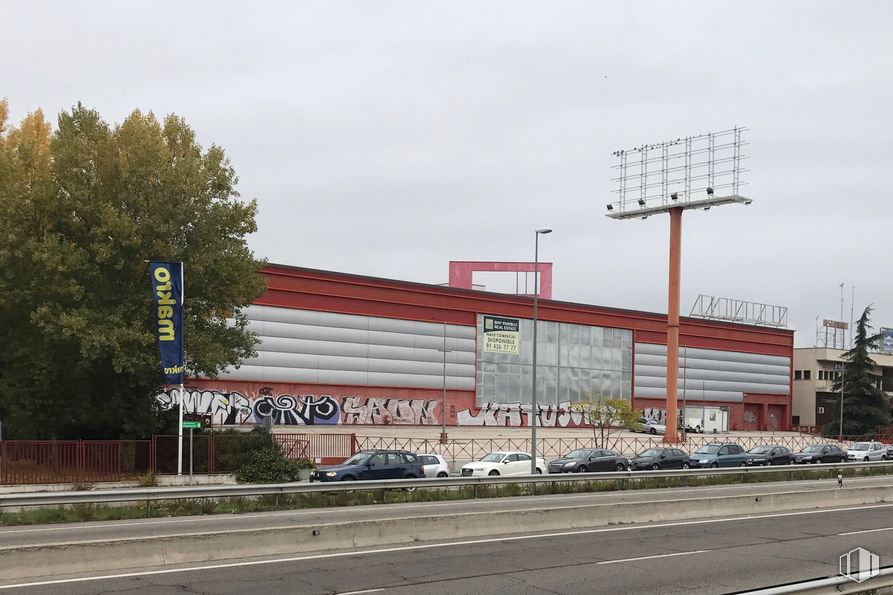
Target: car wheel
point(653, 431)
point(539, 471)
point(883, 457)
point(581, 469)
point(743, 465)
point(655, 467)
point(685, 465)
point(348, 478)
point(866, 459)
point(621, 467)
point(699, 430)
point(714, 465)
point(494, 472)
point(443, 474)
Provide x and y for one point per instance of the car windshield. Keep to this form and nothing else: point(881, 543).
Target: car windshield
point(709, 449)
point(493, 457)
point(859, 446)
point(758, 450)
point(580, 453)
point(813, 448)
point(358, 459)
point(651, 452)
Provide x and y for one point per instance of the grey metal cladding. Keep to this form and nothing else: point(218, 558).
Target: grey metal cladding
point(710, 374)
point(646, 392)
point(713, 354)
point(329, 348)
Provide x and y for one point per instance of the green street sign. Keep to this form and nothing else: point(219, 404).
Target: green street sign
point(192, 425)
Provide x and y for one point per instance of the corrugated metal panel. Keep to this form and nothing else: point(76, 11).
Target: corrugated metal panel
point(327, 348)
point(710, 374)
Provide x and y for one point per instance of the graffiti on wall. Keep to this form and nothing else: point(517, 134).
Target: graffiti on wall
point(223, 407)
point(512, 415)
point(362, 410)
point(230, 408)
point(658, 414)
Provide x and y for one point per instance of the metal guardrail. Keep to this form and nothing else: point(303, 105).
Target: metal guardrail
point(834, 584)
point(253, 490)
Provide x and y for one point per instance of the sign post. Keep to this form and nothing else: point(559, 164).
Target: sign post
point(191, 425)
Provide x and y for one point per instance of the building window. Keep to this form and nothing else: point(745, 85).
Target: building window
point(820, 410)
point(798, 375)
point(807, 374)
point(822, 375)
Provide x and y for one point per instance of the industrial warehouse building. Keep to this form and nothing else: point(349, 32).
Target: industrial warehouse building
point(343, 349)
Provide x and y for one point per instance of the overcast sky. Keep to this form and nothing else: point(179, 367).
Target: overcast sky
point(388, 138)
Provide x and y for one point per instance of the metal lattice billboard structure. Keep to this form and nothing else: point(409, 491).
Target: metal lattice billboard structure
point(741, 311)
point(695, 172)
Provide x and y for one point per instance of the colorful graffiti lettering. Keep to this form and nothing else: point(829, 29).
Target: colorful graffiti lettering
point(361, 410)
point(224, 408)
point(307, 410)
point(232, 408)
point(512, 415)
point(658, 414)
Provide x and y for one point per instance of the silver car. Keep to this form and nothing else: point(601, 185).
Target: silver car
point(651, 426)
point(866, 451)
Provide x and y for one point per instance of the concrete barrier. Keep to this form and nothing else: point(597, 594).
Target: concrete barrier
point(95, 556)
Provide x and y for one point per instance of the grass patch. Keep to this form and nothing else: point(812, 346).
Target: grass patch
point(205, 506)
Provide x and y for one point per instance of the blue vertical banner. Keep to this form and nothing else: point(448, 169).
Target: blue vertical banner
point(167, 316)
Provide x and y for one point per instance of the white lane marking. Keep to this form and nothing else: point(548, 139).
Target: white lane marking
point(652, 557)
point(429, 546)
point(865, 531)
point(358, 592)
point(412, 505)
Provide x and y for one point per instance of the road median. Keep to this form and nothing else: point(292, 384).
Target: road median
point(32, 561)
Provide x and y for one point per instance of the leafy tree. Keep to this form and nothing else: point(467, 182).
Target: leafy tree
point(82, 207)
point(865, 406)
point(607, 417)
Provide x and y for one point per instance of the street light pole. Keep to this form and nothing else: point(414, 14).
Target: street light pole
point(443, 409)
point(536, 291)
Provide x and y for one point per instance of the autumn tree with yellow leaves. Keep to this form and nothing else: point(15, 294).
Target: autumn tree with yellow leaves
point(83, 205)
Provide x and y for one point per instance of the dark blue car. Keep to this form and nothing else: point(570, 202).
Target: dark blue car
point(373, 464)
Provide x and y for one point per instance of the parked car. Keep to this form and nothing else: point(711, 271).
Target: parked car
point(650, 426)
point(820, 453)
point(660, 458)
point(719, 455)
point(434, 465)
point(692, 424)
point(584, 460)
point(890, 452)
point(769, 454)
point(372, 464)
point(503, 463)
point(866, 451)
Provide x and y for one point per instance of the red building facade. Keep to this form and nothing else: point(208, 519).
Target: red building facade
point(342, 349)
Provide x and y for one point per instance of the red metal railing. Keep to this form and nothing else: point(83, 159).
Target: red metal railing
point(82, 461)
point(75, 461)
point(474, 448)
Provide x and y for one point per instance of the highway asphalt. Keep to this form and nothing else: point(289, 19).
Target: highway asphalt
point(17, 536)
point(707, 556)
